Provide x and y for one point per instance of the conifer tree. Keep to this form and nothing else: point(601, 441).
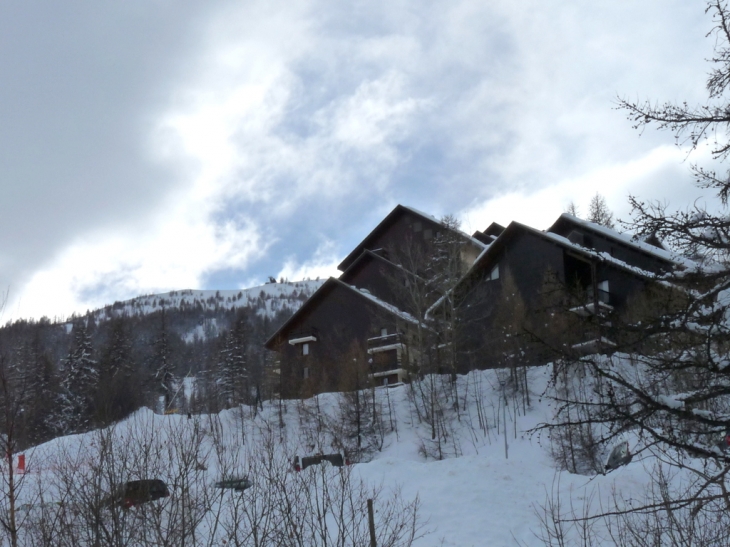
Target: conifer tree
point(118, 393)
point(79, 382)
point(599, 213)
point(572, 209)
point(233, 363)
point(162, 363)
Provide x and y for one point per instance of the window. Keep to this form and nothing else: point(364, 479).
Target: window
point(427, 233)
point(494, 274)
point(417, 226)
point(575, 237)
point(383, 332)
point(603, 293)
point(306, 372)
point(305, 348)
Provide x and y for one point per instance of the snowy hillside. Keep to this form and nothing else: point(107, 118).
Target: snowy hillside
point(267, 299)
point(487, 491)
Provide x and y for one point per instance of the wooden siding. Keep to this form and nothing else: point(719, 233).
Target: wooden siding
point(342, 321)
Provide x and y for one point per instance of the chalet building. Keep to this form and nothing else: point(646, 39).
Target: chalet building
point(369, 310)
point(411, 266)
point(604, 268)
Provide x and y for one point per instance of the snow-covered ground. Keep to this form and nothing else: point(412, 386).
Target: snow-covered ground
point(477, 496)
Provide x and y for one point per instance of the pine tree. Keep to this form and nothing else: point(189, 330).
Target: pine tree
point(79, 382)
point(35, 388)
point(599, 213)
point(164, 370)
point(118, 392)
point(232, 374)
point(572, 209)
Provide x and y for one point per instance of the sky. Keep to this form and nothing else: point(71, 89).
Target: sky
point(152, 145)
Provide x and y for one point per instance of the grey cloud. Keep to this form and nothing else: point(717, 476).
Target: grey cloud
point(493, 96)
point(81, 84)
point(516, 99)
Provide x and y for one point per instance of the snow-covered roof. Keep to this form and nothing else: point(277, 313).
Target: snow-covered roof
point(602, 256)
point(382, 303)
point(627, 239)
point(466, 236)
point(352, 256)
point(514, 227)
point(328, 285)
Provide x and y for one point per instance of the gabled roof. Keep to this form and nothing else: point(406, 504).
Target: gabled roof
point(387, 222)
point(514, 229)
point(494, 229)
point(490, 234)
point(368, 256)
point(651, 247)
point(321, 293)
point(383, 226)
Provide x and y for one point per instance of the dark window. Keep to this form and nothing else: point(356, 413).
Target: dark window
point(575, 237)
point(577, 272)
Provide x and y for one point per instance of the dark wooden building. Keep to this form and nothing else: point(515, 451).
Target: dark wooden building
point(369, 314)
point(602, 270)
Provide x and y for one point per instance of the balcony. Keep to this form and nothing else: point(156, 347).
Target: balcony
point(386, 353)
point(386, 342)
point(304, 335)
point(600, 345)
point(599, 305)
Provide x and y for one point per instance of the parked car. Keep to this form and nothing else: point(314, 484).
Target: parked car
point(237, 484)
point(336, 460)
point(137, 492)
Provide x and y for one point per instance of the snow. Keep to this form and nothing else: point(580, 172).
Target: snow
point(631, 241)
point(385, 305)
point(479, 498)
point(387, 347)
point(268, 299)
point(670, 402)
point(603, 256)
point(473, 240)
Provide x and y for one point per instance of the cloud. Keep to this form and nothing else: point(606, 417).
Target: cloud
point(152, 146)
point(651, 177)
point(321, 265)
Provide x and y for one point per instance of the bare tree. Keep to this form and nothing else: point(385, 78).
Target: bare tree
point(666, 387)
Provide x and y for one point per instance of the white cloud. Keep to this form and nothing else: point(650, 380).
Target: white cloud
point(289, 127)
point(321, 266)
point(615, 182)
point(172, 252)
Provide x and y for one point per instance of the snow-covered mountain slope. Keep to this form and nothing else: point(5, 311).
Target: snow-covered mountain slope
point(267, 299)
point(487, 492)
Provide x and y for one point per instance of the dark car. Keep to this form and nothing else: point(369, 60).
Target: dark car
point(137, 492)
point(237, 484)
